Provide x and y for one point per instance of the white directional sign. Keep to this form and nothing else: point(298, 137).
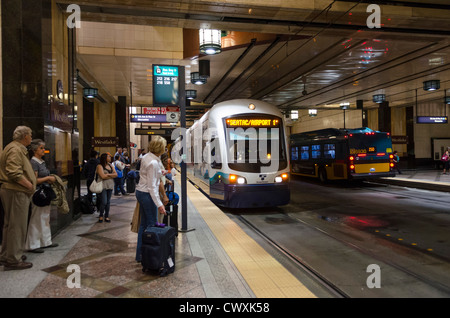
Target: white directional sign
point(172, 117)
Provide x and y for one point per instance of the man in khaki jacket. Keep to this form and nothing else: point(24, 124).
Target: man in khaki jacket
point(18, 185)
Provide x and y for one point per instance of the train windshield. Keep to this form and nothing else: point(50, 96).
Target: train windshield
point(254, 142)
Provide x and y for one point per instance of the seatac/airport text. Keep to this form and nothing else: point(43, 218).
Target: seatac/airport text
point(235, 307)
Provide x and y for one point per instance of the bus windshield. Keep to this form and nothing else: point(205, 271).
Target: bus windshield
point(254, 142)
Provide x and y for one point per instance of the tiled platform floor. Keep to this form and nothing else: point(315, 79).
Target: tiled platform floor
point(215, 260)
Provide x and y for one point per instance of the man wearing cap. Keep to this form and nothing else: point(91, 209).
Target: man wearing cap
point(18, 185)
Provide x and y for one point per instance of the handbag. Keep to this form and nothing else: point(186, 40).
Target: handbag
point(44, 195)
point(136, 220)
point(96, 187)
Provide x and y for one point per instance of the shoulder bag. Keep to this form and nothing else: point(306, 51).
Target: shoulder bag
point(96, 187)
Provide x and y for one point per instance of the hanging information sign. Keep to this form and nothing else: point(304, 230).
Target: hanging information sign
point(165, 85)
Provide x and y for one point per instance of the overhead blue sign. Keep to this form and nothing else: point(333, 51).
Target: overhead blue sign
point(144, 118)
point(432, 119)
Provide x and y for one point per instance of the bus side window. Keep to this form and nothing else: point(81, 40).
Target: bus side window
point(329, 151)
point(304, 153)
point(315, 151)
point(294, 153)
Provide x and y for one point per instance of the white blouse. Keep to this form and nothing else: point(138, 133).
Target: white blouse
point(150, 176)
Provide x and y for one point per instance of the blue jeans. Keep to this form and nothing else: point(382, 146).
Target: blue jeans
point(105, 201)
point(148, 212)
point(118, 186)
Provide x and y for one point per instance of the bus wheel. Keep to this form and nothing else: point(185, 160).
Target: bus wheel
point(323, 175)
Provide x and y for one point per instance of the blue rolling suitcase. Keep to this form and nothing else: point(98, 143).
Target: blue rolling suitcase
point(171, 218)
point(158, 250)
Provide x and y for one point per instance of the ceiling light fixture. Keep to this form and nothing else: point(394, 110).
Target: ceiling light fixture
point(312, 112)
point(345, 106)
point(431, 85)
point(197, 79)
point(210, 41)
point(379, 98)
point(294, 114)
point(191, 94)
point(90, 92)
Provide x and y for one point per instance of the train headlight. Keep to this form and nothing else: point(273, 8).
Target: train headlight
point(237, 179)
point(281, 178)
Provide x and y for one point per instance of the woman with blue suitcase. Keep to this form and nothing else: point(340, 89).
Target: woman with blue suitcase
point(147, 190)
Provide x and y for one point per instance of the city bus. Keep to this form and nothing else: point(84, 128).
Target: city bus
point(342, 154)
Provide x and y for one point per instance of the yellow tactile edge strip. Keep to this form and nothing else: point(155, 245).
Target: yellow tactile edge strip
point(265, 275)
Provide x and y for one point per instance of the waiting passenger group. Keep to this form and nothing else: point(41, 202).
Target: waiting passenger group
point(21, 178)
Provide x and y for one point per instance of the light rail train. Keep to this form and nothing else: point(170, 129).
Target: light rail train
point(237, 154)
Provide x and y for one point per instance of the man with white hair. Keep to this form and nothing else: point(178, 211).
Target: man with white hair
point(18, 185)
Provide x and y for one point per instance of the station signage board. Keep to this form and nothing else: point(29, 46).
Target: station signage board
point(105, 141)
point(145, 131)
point(147, 118)
point(61, 115)
point(159, 110)
point(432, 119)
point(165, 85)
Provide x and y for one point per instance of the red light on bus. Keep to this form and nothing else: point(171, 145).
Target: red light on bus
point(352, 167)
point(392, 165)
point(362, 155)
point(381, 154)
point(391, 156)
point(352, 158)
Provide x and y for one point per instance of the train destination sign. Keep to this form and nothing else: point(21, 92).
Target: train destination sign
point(252, 122)
point(165, 85)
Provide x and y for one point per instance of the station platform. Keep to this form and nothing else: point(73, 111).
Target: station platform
point(217, 259)
point(427, 179)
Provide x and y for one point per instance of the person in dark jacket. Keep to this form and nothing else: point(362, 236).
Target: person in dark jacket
point(89, 170)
